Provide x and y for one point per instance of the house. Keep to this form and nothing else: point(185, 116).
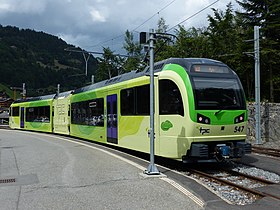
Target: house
point(5, 102)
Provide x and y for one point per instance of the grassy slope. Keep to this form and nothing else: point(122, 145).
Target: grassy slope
point(9, 91)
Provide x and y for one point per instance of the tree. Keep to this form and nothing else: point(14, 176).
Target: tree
point(191, 43)
point(226, 34)
point(133, 50)
point(163, 49)
point(109, 66)
point(266, 14)
point(222, 32)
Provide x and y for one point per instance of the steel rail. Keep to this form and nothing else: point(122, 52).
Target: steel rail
point(252, 191)
point(266, 151)
point(255, 178)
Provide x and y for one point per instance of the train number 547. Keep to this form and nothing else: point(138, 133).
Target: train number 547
point(238, 129)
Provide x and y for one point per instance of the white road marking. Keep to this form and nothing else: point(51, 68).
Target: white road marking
point(179, 187)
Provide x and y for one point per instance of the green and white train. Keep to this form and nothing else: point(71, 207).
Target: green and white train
point(200, 111)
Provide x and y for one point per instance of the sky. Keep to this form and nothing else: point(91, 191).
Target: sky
point(94, 24)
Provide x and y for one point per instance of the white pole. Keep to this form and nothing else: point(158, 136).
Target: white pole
point(86, 61)
point(58, 89)
point(23, 90)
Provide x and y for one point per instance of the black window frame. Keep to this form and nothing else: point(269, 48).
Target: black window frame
point(15, 111)
point(39, 114)
point(170, 98)
point(221, 105)
point(90, 112)
point(135, 101)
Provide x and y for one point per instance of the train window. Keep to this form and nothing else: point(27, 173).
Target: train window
point(135, 101)
point(218, 94)
point(38, 114)
point(89, 112)
point(128, 101)
point(15, 111)
point(170, 99)
point(143, 100)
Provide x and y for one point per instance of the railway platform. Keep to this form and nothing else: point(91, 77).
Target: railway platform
point(40, 171)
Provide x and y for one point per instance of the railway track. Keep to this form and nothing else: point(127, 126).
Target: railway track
point(224, 177)
point(266, 151)
point(216, 178)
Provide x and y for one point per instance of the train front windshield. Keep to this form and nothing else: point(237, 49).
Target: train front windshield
point(218, 94)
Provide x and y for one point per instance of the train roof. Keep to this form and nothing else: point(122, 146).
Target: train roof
point(158, 66)
point(38, 98)
point(63, 94)
point(45, 97)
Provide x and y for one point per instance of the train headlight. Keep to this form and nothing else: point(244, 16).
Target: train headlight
point(202, 119)
point(239, 119)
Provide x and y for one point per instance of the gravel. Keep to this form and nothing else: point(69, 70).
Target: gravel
point(233, 195)
point(228, 193)
point(258, 173)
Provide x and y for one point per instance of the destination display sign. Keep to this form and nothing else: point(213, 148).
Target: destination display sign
point(210, 69)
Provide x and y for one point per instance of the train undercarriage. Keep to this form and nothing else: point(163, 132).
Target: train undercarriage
point(216, 151)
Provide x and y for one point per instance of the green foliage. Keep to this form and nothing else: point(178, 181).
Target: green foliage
point(110, 65)
point(191, 43)
point(266, 14)
point(133, 50)
point(8, 91)
point(39, 60)
point(163, 46)
point(227, 38)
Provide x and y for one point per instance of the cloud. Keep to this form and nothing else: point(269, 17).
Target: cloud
point(5, 6)
point(97, 16)
point(73, 39)
point(93, 24)
point(23, 6)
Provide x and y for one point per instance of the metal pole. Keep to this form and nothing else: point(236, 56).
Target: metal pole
point(86, 61)
point(23, 91)
point(92, 79)
point(257, 84)
point(58, 89)
point(152, 169)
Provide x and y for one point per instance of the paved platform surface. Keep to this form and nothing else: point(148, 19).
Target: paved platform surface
point(38, 171)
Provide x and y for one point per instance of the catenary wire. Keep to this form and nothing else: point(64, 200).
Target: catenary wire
point(193, 15)
point(121, 35)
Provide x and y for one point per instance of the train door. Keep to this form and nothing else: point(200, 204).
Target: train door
point(22, 117)
point(171, 119)
point(112, 119)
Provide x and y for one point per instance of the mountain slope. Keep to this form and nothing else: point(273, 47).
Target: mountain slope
point(39, 60)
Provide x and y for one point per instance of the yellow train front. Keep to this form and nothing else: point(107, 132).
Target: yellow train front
point(200, 111)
